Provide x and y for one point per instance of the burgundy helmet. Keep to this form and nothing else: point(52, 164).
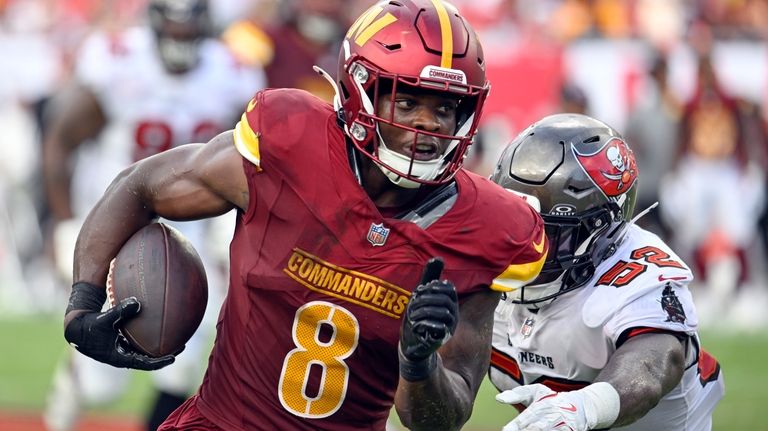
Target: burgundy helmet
point(421, 44)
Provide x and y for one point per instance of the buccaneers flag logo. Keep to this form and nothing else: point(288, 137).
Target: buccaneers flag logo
point(612, 167)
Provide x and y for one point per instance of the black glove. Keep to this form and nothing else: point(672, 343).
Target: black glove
point(430, 320)
point(96, 335)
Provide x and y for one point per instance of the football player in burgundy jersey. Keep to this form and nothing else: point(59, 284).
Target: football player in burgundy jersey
point(606, 334)
point(365, 263)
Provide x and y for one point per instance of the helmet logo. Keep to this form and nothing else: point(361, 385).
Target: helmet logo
point(563, 210)
point(612, 168)
point(367, 25)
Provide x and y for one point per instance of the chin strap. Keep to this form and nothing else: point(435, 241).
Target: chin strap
point(426, 170)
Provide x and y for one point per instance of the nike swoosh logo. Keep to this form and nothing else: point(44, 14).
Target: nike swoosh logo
point(662, 278)
point(569, 407)
point(251, 105)
point(540, 246)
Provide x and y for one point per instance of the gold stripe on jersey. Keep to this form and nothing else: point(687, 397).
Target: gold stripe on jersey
point(247, 142)
point(446, 33)
point(364, 28)
point(352, 286)
point(517, 275)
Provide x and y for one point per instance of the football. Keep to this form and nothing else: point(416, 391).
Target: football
point(163, 271)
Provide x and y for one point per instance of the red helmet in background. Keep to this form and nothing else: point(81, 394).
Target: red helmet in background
point(422, 44)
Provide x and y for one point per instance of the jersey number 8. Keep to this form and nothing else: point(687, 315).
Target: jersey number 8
point(328, 355)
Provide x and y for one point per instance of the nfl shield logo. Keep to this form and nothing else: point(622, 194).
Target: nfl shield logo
point(527, 327)
point(377, 234)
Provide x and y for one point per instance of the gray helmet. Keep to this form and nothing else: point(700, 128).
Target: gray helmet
point(582, 177)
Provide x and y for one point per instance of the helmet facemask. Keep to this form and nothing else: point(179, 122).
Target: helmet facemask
point(369, 85)
point(576, 245)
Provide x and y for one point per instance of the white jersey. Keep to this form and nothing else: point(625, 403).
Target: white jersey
point(149, 110)
point(641, 288)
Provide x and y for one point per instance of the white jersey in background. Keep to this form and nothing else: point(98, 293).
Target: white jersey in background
point(148, 111)
point(641, 288)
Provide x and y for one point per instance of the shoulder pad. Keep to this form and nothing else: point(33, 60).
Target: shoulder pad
point(285, 120)
point(639, 267)
point(246, 140)
point(532, 246)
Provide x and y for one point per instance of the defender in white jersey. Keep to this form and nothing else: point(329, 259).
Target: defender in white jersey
point(606, 336)
point(137, 93)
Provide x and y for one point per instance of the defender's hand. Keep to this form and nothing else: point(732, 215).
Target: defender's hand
point(96, 335)
point(430, 319)
point(595, 406)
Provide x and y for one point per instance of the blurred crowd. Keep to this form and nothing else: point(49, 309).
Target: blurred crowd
point(684, 80)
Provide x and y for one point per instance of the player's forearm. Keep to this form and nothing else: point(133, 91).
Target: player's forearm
point(442, 401)
point(642, 372)
point(120, 212)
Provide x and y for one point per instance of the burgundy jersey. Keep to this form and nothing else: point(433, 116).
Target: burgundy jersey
point(307, 337)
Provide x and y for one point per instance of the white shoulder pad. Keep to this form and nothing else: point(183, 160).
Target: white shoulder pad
point(640, 266)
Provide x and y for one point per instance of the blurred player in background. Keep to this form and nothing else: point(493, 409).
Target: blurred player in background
point(302, 33)
point(137, 93)
point(573, 99)
point(606, 336)
point(715, 221)
point(331, 316)
point(653, 127)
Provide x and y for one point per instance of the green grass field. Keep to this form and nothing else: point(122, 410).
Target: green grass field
point(31, 348)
